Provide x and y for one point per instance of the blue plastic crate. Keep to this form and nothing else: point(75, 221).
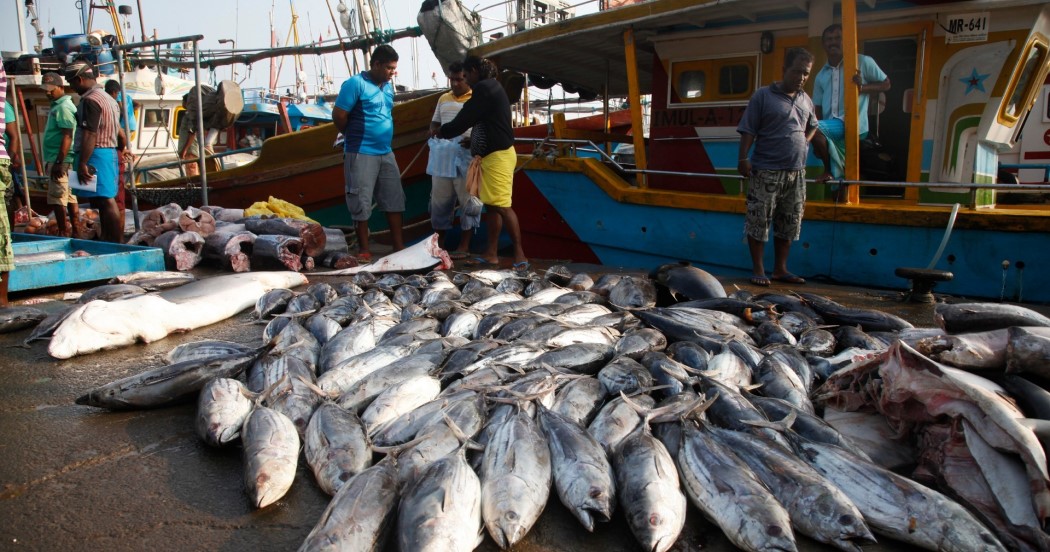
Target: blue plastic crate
point(47, 261)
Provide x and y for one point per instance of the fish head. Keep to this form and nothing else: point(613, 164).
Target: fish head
point(104, 397)
point(263, 491)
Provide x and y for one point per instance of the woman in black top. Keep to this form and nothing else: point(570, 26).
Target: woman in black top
point(491, 140)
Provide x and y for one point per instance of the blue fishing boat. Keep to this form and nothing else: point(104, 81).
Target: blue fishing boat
point(965, 78)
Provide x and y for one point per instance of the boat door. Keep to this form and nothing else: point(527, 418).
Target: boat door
point(884, 154)
point(889, 151)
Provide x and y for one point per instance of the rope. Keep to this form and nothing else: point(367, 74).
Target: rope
point(413, 161)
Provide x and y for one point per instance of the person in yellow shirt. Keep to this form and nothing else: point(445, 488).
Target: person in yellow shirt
point(451, 184)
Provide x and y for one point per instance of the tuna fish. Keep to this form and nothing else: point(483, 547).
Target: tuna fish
point(583, 476)
point(336, 447)
point(222, 407)
point(361, 515)
point(271, 454)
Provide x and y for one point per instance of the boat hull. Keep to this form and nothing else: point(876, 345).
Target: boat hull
point(566, 212)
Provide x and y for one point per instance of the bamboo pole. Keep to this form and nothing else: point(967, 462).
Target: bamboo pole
point(849, 97)
point(635, 100)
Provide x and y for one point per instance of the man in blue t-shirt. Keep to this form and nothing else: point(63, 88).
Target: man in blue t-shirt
point(364, 113)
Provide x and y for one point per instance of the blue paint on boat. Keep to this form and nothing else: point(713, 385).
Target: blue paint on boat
point(631, 235)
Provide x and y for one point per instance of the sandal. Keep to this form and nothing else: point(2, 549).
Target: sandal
point(521, 267)
point(458, 255)
point(790, 279)
point(760, 281)
point(480, 262)
point(364, 257)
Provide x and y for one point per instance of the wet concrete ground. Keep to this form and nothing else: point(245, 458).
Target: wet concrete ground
point(77, 478)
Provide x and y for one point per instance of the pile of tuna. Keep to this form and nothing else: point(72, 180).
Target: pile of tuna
point(434, 408)
point(227, 239)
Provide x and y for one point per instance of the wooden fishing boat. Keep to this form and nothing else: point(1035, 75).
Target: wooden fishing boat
point(965, 76)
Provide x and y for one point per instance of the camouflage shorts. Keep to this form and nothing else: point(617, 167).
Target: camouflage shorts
point(7, 255)
point(776, 197)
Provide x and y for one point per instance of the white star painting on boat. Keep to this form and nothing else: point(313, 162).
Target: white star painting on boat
point(974, 82)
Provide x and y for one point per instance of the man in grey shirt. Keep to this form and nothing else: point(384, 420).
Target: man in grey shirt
point(779, 122)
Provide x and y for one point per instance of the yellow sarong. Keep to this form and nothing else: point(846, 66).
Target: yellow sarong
point(497, 177)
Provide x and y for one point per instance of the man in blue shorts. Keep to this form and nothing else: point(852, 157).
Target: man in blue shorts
point(95, 144)
point(364, 113)
point(779, 121)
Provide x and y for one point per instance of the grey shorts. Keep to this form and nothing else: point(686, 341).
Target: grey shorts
point(444, 193)
point(776, 197)
point(369, 176)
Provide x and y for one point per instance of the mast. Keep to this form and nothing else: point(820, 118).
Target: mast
point(273, 45)
point(19, 10)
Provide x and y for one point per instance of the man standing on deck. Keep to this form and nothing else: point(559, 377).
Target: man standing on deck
point(492, 144)
point(58, 153)
point(779, 121)
point(364, 113)
point(95, 145)
point(447, 188)
point(7, 254)
point(829, 92)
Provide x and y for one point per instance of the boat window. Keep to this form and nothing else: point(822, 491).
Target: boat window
point(733, 80)
point(1027, 78)
point(721, 80)
point(691, 84)
point(156, 118)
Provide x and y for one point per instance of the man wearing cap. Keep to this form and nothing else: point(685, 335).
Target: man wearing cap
point(95, 145)
point(58, 153)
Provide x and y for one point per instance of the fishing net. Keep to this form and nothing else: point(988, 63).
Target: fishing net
point(183, 196)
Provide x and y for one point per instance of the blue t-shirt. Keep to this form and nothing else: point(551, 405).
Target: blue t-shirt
point(779, 124)
point(129, 113)
point(370, 128)
point(828, 90)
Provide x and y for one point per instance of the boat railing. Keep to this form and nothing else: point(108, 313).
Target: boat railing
point(520, 16)
point(550, 147)
point(139, 169)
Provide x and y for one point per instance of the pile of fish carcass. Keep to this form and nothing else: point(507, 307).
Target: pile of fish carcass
point(437, 407)
point(227, 239)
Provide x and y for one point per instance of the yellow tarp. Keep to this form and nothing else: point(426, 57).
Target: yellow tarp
point(278, 207)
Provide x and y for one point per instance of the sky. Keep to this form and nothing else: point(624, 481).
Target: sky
point(248, 23)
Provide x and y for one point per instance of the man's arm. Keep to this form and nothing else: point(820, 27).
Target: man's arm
point(472, 111)
point(14, 147)
point(87, 148)
point(820, 147)
point(340, 117)
point(870, 78)
point(63, 152)
point(743, 166)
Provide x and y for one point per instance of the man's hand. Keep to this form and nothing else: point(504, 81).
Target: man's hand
point(56, 171)
point(857, 80)
point(744, 167)
point(825, 177)
point(84, 172)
